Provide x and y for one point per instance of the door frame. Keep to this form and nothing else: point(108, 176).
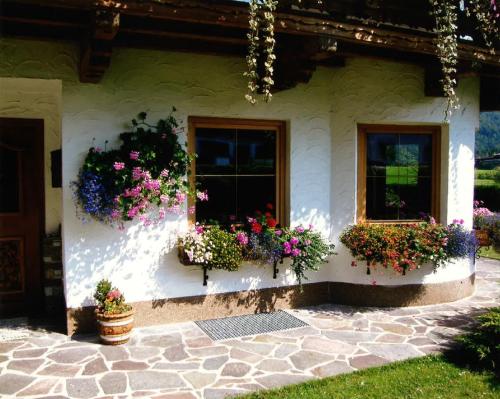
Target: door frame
point(34, 298)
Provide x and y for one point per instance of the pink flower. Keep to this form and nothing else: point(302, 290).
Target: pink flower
point(374, 282)
point(161, 213)
point(164, 173)
point(299, 229)
point(134, 155)
point(136, 173)
point(287, 248)
point(98, 149)
point(295, 252)
point(294, 240)
point(132, 212)
point(180, 196)
point(278, 232)
point(199, 229)
point(307, 242)
point(242, 238)
point(119, 165)
point(311, 227)
point(191, 210)
point(354, 264)
point(232, 218)
point(164, 198)
point(113, 294)
point(115, 214)
point(202, 195)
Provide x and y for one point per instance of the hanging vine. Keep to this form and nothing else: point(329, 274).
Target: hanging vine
point(445, 13)
point(262, 42)
point(261, 17)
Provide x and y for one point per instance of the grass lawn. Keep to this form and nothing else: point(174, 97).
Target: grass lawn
point(428, 377)
point(489, 252)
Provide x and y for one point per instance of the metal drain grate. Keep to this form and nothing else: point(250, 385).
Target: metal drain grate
point(240, 326)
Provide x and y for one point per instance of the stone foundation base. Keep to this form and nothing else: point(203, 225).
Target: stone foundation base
point(161, 311)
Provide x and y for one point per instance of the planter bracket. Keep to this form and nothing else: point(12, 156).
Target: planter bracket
point(205, 275)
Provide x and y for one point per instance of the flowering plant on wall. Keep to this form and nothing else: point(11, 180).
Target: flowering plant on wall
point(145, 178)
point(407, 247)
point(261, 240)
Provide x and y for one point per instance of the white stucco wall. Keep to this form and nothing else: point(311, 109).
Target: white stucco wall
point(321, 117)
point(38, 99)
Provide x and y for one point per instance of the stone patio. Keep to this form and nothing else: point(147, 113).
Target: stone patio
point(180, 362)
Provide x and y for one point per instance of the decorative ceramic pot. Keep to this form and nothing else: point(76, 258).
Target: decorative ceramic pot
point(483, 238)
point(115, 329)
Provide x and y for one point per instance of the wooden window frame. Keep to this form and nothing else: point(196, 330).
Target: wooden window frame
point(195, 122)
point(363, 131)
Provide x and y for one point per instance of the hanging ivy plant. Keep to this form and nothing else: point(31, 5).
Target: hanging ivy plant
point(145, 178)
point(262, 42)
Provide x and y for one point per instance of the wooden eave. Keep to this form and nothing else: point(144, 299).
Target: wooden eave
point(390, 29)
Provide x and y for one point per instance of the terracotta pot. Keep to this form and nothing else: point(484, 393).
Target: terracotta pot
point(115, 329)
point(483, 238)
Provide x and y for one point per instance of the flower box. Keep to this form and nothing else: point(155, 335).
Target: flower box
point(483, 237)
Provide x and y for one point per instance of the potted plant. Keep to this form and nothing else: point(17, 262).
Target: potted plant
point(114, 316)
point(481, 216)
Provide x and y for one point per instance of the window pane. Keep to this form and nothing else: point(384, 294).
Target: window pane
point(221, 205)
point(399, 171)
point(256, 152)
point(9, 181)
point(381, 152)
point(253, 195)
point(216, 149)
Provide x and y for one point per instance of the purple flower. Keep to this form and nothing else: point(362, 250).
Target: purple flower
point(295, 252)
point(119, 165)
point(199, 229)
point(134, 155)
point(294, 240)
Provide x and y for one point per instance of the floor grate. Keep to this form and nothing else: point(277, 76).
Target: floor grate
point(241, 326)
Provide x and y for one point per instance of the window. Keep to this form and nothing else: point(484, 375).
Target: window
point(241, 164)
point(398, 172)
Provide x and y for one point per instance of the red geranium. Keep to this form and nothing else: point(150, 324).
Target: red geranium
point(271, 222)
point(256, 228)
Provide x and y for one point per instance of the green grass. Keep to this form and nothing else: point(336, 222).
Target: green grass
point(423, 378)
point(489, 252)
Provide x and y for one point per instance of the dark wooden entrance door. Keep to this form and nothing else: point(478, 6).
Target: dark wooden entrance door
point(21, 216)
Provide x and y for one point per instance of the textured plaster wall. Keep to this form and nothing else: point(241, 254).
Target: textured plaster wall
point(321, 117)
point(378, 92)
point(38, 99)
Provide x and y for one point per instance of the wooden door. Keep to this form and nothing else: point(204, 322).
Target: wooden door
point(21, 216)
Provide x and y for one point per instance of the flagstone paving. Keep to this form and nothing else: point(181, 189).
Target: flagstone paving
point(179, 361)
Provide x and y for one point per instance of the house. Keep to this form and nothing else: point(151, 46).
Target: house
point(350, 81)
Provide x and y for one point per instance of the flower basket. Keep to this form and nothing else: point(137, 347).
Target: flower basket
point(483, 237)
point(115, 329)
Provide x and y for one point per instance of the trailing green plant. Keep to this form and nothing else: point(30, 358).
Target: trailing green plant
point(145, 178)
point(109, 299)
point(482, 344)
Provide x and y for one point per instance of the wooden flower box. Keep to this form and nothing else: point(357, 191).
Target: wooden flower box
point(483, 238)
